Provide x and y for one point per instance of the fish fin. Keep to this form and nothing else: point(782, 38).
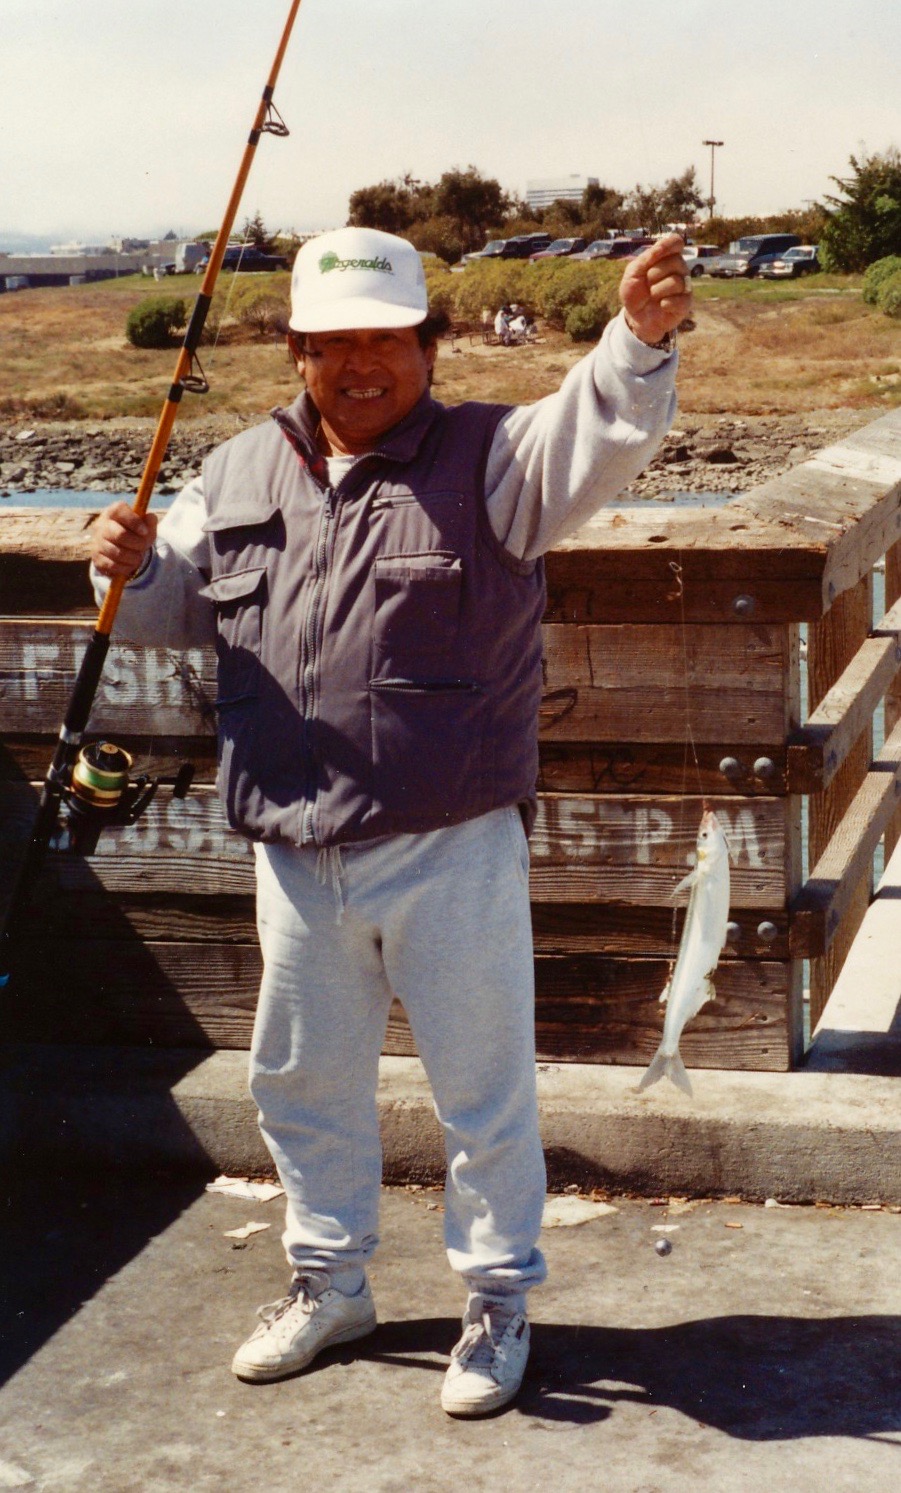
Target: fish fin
point(664, 994)
point(686, 883)
point(709, 989)
point(666, 1065)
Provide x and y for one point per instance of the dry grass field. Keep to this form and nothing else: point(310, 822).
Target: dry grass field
point(756, 349)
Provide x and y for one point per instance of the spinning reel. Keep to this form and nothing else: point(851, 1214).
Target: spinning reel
point(100, 793)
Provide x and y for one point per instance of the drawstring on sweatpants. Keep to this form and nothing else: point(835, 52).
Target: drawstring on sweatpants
point(330, 868)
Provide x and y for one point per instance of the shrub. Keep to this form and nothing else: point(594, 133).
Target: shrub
point(889, 299)
point(262, 308)
point(153, 323)
point(440, 286)
point(879, 271)
point(585, 323)
point(562, 289)
point(493, 285)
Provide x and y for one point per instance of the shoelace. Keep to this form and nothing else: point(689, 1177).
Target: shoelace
point(304, 1293)
point(477, 1346)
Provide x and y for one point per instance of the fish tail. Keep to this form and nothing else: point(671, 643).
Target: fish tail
point(666, 1065)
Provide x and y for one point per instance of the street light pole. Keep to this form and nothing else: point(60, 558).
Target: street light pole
point(713, 146)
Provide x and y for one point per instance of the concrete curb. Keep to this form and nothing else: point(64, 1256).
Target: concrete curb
point(800, 1137)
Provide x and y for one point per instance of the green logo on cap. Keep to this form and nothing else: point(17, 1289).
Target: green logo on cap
point(331, 261)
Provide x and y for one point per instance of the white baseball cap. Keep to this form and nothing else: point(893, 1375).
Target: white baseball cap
point(357, 277)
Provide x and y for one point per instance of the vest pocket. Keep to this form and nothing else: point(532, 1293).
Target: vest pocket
point(417, 611)
point(427, 750)
point(238, 598)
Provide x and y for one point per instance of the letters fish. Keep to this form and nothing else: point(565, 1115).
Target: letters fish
point(702, 943)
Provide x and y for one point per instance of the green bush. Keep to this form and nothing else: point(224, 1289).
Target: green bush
point(879, 271)
point(563, 289)
point(154, 323)
point(440, 286)
point(890, 295)
point(493, 285)
point(585, 323)
point(262, 308)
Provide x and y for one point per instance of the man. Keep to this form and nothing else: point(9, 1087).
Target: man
point(369, 564)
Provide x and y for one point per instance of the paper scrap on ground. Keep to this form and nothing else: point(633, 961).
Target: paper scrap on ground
point(563, 1212)
point(12, 1476)
point(246, 1231)
point(239, 1187)
point(665, 1228)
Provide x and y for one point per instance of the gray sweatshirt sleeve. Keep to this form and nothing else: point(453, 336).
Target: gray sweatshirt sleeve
point(554, 463)
point(162, 605)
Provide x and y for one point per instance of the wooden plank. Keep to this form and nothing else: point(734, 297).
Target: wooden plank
point(893, 693)
point(832, 644)
point(602, 683)
point(573, 767)
point(633, 849)
point(153, 691)
point(26, 758)
point(833, 886)
point(644, 683)
point(587, 1009)
point(44, 561)
point(817, 749)
point(866, 997)
point(658, 767)
point(557, 927)
point(596, 928)
point(586, 586)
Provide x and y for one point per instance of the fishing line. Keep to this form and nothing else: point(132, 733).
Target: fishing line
point(678, 594)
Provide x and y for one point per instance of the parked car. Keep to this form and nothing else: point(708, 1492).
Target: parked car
point(521, 246)
point(560, 248)
point(613, 248)
point(745, 254)
point(697, 255)
point(236, 258)
point(599, 248)
point(801, 260)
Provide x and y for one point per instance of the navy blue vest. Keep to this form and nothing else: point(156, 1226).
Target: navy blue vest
point(379, 651)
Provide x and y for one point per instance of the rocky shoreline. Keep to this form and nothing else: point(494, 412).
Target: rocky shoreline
point(703, 453)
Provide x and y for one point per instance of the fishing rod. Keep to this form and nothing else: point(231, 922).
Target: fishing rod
point(92, 782)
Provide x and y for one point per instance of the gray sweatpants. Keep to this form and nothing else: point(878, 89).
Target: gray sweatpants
point(441, 920)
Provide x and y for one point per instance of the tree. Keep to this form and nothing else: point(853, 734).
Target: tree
point(437, 235)
point(257, 235)
point(865, 221)
point(563, 218)
point(602, 208)
point(676, 201)
point(474, 202)
point(388, 205)
point(681, 198)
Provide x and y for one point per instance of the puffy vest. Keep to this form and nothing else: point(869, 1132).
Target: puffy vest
point(379, 651)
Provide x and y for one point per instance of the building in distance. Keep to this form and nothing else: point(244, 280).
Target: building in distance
point(541, 191)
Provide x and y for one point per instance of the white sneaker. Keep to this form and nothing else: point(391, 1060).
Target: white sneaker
point(312, 1317)
point(488, 1362)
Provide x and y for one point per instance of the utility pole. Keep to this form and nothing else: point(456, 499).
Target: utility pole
point(714, 144)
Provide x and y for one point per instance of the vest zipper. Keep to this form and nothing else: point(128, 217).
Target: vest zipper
point(308, 658)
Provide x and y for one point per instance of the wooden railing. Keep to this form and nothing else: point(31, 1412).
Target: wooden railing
point(672, 676)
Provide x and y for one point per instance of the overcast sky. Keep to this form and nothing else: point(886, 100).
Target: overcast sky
point(129, 116)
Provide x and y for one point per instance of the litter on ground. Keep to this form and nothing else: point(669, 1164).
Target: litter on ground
point(241, 1187)
point(246, 1231)
point(564, 1212)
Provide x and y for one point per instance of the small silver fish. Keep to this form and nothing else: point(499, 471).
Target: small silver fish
point(702, 943)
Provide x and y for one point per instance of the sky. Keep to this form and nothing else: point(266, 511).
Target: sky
point(129, 117)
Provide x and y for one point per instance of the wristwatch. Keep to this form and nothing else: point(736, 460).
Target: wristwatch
point(665, 345)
